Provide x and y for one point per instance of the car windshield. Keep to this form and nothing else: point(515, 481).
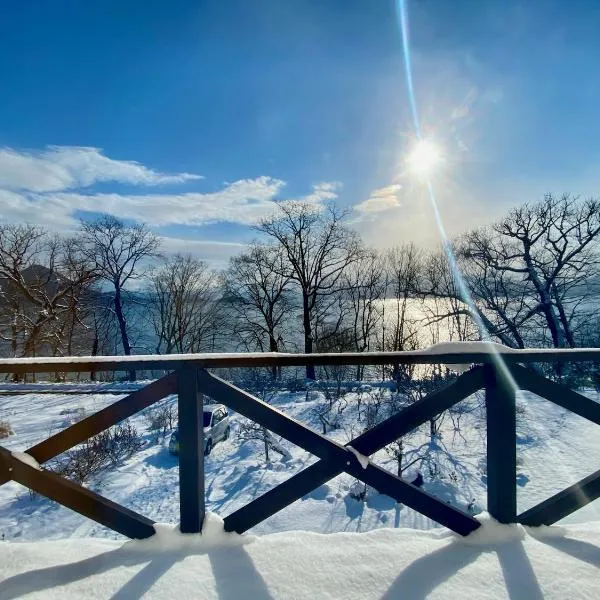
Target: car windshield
point(207, 416)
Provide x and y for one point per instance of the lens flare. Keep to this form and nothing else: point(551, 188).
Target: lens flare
point(424, 158)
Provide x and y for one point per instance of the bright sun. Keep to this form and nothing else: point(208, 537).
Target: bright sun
point(424, 158)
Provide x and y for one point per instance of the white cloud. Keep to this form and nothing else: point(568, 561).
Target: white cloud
point(59, 168)
point(20, 208)
point(380, 200)
point(327, 190)
point(47, 187)
point(245, 201)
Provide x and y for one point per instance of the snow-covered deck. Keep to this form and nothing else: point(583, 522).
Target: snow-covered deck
point(495, 562)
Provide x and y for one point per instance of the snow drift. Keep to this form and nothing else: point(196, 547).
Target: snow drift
point(495, 562)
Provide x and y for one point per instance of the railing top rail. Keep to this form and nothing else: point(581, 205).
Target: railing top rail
point(447, 353)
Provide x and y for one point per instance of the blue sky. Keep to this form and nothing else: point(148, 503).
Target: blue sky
point(197, 115)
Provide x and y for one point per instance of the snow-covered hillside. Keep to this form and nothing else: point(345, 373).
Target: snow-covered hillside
point(495, 562)
point(555, 449)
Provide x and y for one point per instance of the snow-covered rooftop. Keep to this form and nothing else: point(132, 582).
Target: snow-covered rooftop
point(495, 562)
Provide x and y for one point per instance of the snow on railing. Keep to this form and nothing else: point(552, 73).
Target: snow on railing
point(456, 353)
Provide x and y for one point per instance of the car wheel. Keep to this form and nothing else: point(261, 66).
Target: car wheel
point(208, 448)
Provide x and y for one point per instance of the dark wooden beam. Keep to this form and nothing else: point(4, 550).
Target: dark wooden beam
point(102, 420)
point(271, 418)
point(564, 503)
point(77, 498)
point(191, 452)
point(557, 393)
point(335, 454)
point(105, 418)
point(501, 445)
point(419, 412)
point(367, 443)
point(282, 495)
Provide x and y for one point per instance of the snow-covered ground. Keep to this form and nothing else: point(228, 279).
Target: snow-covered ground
point(555, 449)
point(495, 562)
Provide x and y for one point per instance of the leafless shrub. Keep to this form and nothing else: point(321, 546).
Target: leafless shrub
point(248, 430)
point(5, 429)
point(161, 420)
point(103, 450)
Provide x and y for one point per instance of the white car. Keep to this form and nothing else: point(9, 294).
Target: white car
point(216, 428)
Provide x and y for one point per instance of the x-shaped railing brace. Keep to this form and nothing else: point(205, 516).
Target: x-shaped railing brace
point(70, 494)
point(336, 458)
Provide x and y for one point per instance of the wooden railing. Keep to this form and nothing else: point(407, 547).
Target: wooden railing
point(497, 370)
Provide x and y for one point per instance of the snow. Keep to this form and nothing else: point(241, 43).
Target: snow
point(375, 548)
point(225, 359)
point(494, 563)
point(168, 538)
point(362, 459)
point(463, 347)
point(27, 459)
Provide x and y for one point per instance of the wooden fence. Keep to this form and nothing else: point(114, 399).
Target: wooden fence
point(497, 370)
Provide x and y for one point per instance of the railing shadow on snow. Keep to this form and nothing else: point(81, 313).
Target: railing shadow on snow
point(497, 370)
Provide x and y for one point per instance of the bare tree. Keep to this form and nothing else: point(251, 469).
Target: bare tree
point(543, 260)
point(502, 301)
point(399, 319)
point(317, 247)
point(447, 311)
point(262, 385)
point(257, 288)
point(42, 278)
point(184, 305)
point(553, 244)
point(364, 283)
point(119, 250)
point(403, 275)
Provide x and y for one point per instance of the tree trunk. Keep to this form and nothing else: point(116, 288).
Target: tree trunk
point(308, 339)
point(123, 327)
point(565, 322)
point(545, 302)
point(14, 346)
point(266, 442)
point(95, 344)
point(273, 347)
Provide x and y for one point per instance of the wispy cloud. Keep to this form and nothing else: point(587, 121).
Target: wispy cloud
point(380, 200)
point(58, 168)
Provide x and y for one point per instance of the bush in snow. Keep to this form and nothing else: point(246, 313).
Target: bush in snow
point(161, 419)
point(5, 429)
point(260, 382)
point(330, 412)
point(248, 431)
point(358, 490)
point(101, 451)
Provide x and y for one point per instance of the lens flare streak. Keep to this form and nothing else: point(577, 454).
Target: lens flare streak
point(462, 287)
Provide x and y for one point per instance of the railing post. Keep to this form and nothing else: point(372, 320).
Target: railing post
point(501, 444)
point(191, 451)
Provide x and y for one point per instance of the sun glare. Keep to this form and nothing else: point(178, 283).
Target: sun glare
point(424, 158)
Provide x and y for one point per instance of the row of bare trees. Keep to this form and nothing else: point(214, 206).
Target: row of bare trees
point(307, 284)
